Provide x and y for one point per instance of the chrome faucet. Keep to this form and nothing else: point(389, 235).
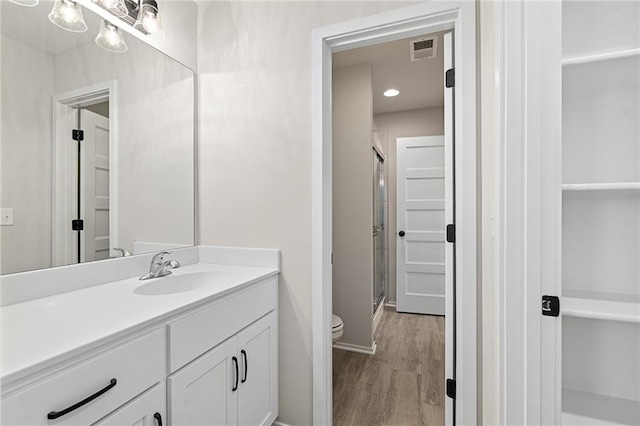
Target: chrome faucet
point(160, 267)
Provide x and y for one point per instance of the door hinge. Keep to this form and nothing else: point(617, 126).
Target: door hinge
point(550, 306)
point(77, 135)
point(451, 388)
point(449, 78)
point(332, 258)
point(77, 225)
point(451, 233)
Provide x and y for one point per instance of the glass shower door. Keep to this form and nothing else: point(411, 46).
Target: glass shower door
point(379, 221)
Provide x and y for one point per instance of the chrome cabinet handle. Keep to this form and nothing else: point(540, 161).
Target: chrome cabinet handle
point(56, 414)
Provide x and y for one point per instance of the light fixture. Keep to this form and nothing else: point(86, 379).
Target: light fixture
point(68, 15)
point(110, 38)
point(117, 7)
point(29, 3)
point(391, 93)
point(148, 19)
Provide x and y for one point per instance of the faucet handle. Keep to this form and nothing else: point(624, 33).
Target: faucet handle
point(157, 259)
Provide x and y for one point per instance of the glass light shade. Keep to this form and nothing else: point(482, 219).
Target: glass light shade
point(29, 3)
point(148, 20)
point(68, 15)
point(117, 7)
point(110, 38)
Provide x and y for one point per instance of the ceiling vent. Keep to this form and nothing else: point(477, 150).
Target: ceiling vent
point(423, 48)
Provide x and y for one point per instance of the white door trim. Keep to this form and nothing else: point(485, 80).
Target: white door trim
point(529, 148)
point(389, 26)
point(61, 175)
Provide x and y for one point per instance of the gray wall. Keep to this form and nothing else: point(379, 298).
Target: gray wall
point(418, 122)
point(353, 203)
point(254, 67)
point(25, 152)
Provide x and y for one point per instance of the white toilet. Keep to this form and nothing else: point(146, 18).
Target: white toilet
point(337, 328)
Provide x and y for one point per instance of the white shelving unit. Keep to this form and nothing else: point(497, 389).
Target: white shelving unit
point(614, 186)
point(601, 213)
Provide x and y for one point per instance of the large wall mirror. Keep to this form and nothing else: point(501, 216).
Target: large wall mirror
point(127, 186)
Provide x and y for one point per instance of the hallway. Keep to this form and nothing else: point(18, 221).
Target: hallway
point(402, 384)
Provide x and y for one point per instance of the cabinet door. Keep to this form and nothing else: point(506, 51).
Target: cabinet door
point(258, 355)
point(202, 392)
point(147, 409)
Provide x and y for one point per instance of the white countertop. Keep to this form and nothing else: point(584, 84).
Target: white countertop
point(42, 332)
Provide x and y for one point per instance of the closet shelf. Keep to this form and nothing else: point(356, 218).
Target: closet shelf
point(601, 309)
point(601, 57)
point(614, 186)
point(595, 409)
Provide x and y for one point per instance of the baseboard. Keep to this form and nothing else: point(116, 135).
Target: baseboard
point(277, 423)
point(390, 305)
point(356, 348)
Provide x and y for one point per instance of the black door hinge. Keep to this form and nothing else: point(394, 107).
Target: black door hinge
point(449, 78)
point(451, 388)
point(451, 233)
point(77, 135)
point(77, 225)
point(550, 306)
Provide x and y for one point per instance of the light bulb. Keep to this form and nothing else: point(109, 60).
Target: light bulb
point(150, 22)
point(69, 14)
point(110, 38)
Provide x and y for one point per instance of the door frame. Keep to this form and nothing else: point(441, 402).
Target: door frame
point(459, 16)
point(63, 176)
point(529, 151)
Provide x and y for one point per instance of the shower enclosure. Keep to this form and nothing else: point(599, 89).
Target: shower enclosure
point(379, 222)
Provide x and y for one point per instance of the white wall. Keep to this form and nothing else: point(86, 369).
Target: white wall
point(353, 203)
point(155, 160)
point(25, 152)
point(418, 122)
point(254, 65)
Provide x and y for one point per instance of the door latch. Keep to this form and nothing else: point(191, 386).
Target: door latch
point(550, 306)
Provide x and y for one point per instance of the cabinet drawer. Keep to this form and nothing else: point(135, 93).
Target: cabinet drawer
point(136, 366)
point(195, 334)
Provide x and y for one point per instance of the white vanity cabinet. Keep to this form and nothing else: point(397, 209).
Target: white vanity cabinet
point(234, 383)
point(146, 410)
point(86, 392)
point(213, 362)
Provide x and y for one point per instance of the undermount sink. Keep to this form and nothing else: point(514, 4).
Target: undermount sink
point(172, 284)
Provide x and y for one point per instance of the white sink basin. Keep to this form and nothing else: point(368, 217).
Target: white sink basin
point(172, 284)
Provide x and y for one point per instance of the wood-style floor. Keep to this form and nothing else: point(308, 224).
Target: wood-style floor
point(402, 384)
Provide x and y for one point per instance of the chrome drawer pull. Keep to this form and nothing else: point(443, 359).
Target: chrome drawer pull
point(56, 414)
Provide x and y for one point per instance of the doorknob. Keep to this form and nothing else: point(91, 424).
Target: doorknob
point(401, 233)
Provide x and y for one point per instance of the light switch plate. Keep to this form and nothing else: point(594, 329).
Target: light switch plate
point(6, 217)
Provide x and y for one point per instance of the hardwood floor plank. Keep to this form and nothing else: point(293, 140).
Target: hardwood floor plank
point(402, 384)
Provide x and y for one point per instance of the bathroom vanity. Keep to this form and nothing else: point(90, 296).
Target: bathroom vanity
point(199, 346)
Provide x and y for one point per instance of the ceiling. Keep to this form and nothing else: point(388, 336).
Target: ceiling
point(31, 26)
point(421, 83)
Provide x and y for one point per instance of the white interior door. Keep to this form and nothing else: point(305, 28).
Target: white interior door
point(95, 186)
point(421, 226)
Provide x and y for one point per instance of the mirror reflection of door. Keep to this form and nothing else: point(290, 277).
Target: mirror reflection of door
point(94, 183)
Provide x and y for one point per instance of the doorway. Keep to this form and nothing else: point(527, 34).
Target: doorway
point(401, 348)
point(85, 185)
point(412, 21)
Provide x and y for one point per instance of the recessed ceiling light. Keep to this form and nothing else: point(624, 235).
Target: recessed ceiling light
point(391, 93)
